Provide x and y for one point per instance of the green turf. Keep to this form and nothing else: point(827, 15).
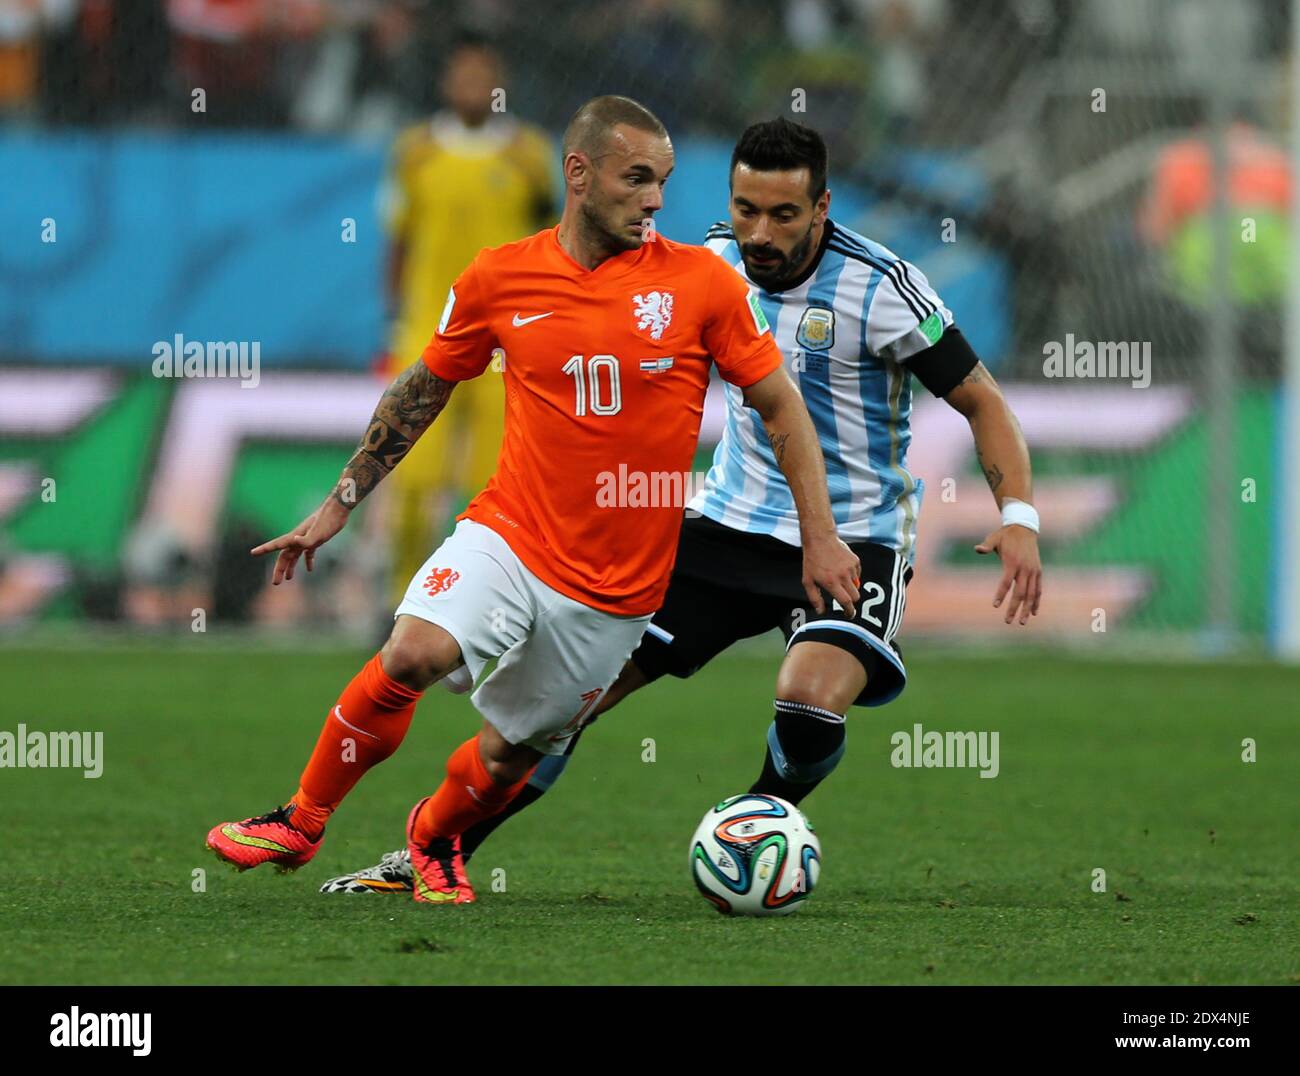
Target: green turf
point(931, 876)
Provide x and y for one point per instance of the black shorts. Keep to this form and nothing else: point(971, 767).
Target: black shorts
point(728, 585)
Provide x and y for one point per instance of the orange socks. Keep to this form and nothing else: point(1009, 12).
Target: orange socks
point(364, 728)
point(468, 795)
point(367, 725)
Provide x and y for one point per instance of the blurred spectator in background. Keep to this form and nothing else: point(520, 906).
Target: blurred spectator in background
point(105, 61)
point(706, 66)
point(369, 66)
point(239, 53)
point(473, 176)
point(391, 78)
point(825, 62)
point(907, 38)
point(1177, 219)
point(1176, 214)
point(22, 25)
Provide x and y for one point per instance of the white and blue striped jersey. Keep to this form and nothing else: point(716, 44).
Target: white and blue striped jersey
point(846, 331)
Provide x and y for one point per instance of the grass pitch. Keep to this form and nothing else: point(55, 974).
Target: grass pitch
point(930, 875)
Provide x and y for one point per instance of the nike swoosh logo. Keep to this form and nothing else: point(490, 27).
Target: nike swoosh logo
point(338, 712)
point(517, 320)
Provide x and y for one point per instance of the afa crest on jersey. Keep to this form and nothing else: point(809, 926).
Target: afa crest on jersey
point(653, 312)
point(816, 329)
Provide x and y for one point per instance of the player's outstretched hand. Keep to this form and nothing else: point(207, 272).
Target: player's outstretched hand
point(830, 565)
point(1018, 548)
point(312, 533)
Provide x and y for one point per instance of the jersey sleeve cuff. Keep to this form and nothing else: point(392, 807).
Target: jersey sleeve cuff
point(754, 370)
point(442, 367)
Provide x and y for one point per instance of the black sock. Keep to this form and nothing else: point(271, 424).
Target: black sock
point(480, 831)
point(804, 743)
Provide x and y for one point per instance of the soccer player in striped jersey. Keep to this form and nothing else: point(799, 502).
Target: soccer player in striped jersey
point(854, 323)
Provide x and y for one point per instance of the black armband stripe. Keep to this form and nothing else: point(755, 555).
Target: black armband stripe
point(920, 307)
point(896, 270)
point(942, 368)
point(907, 279)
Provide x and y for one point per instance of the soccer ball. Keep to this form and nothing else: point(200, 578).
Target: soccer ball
point(755, 855)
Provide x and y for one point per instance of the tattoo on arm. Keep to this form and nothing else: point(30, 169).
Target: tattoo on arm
point(777, 441)
point(384, 443)
point(992, 474)
point(977, 374)
point(414, 399)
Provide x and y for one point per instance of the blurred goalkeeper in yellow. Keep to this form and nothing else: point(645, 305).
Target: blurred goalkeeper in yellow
point(471, 177)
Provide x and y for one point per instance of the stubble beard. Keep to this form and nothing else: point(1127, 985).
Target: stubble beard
point(786, 269)
point(596, 232)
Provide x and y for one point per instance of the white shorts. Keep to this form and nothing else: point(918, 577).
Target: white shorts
point(557, 656)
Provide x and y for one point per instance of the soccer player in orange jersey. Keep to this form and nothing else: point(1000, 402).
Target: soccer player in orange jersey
point(608, 332)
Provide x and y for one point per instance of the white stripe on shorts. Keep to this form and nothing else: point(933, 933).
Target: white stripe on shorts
point(659, 633)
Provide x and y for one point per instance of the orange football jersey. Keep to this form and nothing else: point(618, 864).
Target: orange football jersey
point(605, 375)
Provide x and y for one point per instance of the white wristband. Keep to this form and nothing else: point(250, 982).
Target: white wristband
point(1019, 513)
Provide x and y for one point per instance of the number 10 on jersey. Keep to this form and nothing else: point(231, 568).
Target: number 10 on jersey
point(591, 388)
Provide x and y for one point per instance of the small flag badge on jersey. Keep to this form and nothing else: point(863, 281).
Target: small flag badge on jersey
point(656, 366)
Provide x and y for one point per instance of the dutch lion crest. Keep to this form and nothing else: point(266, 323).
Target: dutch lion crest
point(653, 311)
